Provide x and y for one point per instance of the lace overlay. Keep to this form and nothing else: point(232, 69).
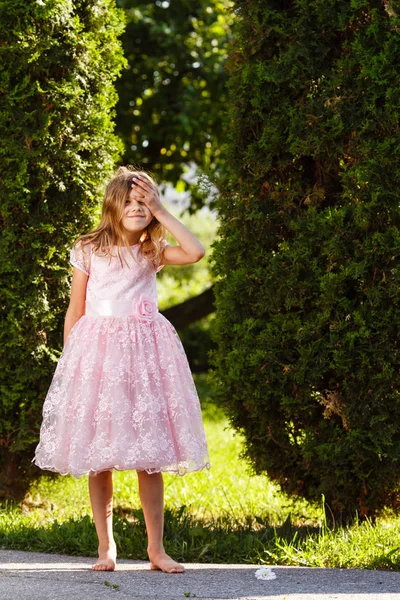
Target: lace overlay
point(122, 396)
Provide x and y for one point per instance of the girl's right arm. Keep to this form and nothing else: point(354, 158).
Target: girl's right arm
point(76, 308)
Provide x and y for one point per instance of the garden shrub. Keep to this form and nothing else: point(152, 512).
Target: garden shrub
point(307, 326)
point(58, 63)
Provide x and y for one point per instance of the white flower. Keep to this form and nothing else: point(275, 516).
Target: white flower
point(265, 573)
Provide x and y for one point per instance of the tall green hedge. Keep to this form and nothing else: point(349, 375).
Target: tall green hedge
point(58, 63)
point(308, 360)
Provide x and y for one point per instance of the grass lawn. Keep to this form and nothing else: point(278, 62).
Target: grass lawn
point(226, 514)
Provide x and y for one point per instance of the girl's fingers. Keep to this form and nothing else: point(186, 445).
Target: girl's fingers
point(142, 184)
point(144, 191)
point(143, 197)
point(138, 190)
point(136, 187)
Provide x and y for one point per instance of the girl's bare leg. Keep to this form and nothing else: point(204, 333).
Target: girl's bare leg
point(151, 491)
point(101, 493)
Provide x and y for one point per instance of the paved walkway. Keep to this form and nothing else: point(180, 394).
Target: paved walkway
point(35, 576)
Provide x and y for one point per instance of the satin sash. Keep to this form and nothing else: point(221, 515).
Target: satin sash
point(142, 308)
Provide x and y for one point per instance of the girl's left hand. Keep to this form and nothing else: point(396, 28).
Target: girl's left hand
point(145, 192)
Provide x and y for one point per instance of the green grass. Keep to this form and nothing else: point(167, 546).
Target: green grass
point(226, 514)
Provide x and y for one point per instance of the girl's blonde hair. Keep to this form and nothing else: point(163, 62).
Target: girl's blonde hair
point(110, 231)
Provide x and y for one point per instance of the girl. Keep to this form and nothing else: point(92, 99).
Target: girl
point(122, 396)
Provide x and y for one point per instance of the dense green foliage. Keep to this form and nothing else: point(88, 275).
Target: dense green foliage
point(308, 315)
point(172, 95)
point(58, 62)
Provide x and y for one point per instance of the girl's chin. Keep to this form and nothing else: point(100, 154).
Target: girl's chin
point(132, 229)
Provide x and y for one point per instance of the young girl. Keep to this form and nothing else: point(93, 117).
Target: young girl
point(122, 396)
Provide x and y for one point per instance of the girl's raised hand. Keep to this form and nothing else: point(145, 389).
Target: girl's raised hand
point(144, 191)
point(189, 249)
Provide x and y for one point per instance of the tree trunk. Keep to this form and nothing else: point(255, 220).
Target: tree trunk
point(192, 310)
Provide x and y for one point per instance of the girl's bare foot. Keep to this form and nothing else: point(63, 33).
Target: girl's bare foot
point(106, 560)
point(162, 562)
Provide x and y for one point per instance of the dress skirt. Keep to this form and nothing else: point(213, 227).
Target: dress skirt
point(122, 397)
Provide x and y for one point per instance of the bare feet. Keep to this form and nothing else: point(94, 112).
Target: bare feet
point(162, 562)
point(106, 560)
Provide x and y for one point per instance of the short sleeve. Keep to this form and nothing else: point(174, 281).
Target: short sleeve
point(157, 265)
point(80, 257)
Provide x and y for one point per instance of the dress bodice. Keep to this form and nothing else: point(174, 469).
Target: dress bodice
point(111, 280)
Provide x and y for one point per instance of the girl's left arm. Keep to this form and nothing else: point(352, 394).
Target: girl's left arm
point(189, 249)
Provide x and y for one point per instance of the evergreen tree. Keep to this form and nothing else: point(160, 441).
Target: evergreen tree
point(58, 63)
point(308, 314)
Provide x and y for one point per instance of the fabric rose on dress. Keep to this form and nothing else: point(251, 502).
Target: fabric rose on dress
point(146, 308)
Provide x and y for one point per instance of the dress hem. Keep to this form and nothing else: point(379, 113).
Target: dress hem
point(178, 471)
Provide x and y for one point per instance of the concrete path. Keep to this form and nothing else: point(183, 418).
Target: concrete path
point(35, 576)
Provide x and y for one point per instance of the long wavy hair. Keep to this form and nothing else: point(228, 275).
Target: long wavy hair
point(110, 232)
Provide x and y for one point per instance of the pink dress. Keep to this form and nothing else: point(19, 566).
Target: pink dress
point(122, 396)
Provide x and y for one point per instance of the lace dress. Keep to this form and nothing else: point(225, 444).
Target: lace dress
point(122, 396)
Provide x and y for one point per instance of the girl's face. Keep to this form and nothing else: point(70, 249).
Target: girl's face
point(136, 215)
